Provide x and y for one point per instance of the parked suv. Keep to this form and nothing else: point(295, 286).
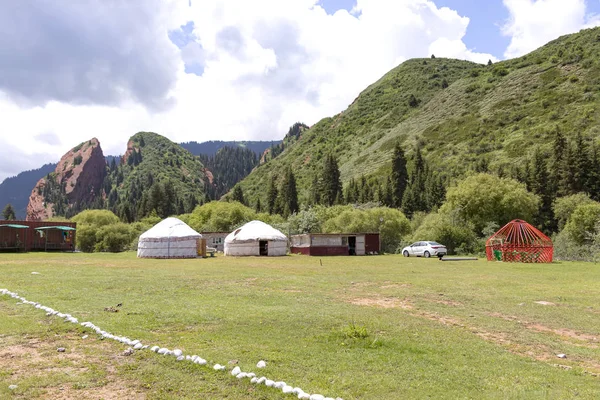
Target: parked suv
point(425, 249)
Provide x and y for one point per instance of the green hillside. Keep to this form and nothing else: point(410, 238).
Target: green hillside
point(463, 115)
point(155, 174)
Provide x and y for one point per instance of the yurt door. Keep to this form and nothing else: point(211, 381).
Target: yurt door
point(263, 246)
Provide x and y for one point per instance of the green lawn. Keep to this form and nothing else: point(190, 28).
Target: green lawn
point(380, 327)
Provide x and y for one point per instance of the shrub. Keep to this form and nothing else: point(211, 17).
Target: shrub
point(499, 71)
point(89, 223)
point(114, 238)
point(582, 224)
point(566, 249)
point(484, 198)
point(96, 217)
point(565, 206)
point(218, 216)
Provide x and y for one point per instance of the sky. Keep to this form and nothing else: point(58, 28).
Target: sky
point(198, 70)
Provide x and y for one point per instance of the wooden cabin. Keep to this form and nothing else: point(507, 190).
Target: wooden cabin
point(37, 236)
point(335, 244)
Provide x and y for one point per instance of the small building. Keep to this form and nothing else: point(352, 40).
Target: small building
point(335, 244)
point(170, 238)
point(215, 239)
point(37, 236)
point(256, 239)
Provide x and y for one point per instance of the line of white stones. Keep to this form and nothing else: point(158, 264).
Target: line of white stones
point(137, 345)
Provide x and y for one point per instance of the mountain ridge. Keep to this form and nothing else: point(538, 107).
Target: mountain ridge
point(463, 116)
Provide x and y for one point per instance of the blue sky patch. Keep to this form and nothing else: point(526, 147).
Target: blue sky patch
point(191, 49)
point(331, 6)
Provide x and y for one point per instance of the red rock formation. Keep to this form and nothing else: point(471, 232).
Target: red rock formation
point(37, 209)
point(80, 173)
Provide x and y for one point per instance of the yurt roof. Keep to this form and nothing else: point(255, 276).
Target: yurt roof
point(170, 228)
point(253, 231)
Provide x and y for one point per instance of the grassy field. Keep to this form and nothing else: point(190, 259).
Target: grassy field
point(380, 327)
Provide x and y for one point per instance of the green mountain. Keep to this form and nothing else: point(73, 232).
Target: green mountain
point(211, 147)
point(461, 115)
point(155, 174)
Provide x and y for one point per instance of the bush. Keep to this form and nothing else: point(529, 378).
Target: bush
point(440, 227)
point(114, 238)
point(566, 249)
point(500, 71)
point(218, 216)
point(582, 224)
point(484, 198)
point(89, 223)
point(565, 206)
point(96, 217)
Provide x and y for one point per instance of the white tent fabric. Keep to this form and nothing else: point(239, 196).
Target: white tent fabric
point(245, 241)
point(170, 238)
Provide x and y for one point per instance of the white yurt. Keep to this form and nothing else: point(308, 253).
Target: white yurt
point(256, 239)
point(170, 238)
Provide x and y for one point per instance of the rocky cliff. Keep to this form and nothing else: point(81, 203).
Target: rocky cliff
point(76, 182)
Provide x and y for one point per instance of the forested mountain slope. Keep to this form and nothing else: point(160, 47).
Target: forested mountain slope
point(463, 116)
point(16, 189)
point(155, 174)
point(211, 147)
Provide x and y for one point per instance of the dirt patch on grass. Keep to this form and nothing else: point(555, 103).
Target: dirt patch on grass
point(445, 302)
point(86, 370)
point(563, 332)
point(383, 302)
point(544, 303)
point(110, 391)
point(390, 285)
point(568, 333)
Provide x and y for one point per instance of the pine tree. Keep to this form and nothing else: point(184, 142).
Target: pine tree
point(568, 181)
point(9, 212)
point(593, 184)
point(171, 200)
point(238, 194)
point(315, 191)
point(581, 164)
point(289, 194)
point(352, 193)
point(388, 195)
point(331, 188)
point(540, 185)
point(435, 191)
point(190, 203)
point(399, 177)
point(364, 191)
point(258, 206)
point(408, 202)
point(125, 213)
point(380, 194)
point(558, 172)
point(272, 195)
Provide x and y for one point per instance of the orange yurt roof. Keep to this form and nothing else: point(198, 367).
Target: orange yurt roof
point(519, 241)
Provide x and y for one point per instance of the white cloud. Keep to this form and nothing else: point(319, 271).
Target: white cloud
point(267, 64)
point(533, 23)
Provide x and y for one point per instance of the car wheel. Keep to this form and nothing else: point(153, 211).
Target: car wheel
point(426, 254)
point(405, 254)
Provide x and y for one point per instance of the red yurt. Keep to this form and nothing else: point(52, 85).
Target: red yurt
point(519, 241)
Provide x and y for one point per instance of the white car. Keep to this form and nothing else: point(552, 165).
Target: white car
point(425, 249)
